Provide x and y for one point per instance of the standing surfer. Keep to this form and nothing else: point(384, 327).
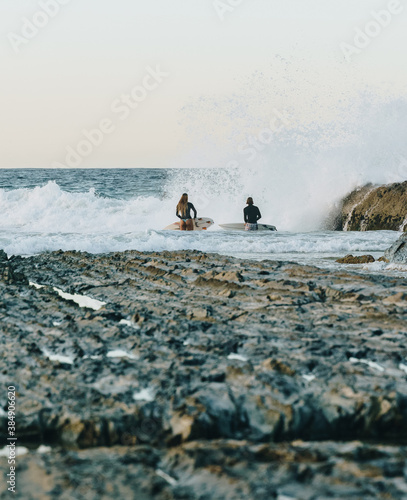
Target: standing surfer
point(251, 215)
point(183, 212)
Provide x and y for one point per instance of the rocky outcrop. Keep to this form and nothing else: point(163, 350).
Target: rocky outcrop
point(8, 274)
point(373, 208)
point(199, 364)
point(397, 253)
point(359, 259)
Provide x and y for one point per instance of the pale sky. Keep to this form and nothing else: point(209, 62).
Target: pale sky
point(62, 78)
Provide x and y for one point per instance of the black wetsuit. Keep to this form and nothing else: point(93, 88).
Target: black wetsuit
point(251, 214)
point(188, 213)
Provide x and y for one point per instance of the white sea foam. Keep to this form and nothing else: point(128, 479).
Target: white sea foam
point(318, 248)
point(309, 378)
point(49, 210)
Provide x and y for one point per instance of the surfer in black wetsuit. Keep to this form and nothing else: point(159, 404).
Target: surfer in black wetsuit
point(183, 211)
point(251, 215)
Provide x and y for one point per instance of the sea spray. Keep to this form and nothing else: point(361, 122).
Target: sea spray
point(306, 166)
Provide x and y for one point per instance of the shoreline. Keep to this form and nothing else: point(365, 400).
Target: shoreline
point(192, 347)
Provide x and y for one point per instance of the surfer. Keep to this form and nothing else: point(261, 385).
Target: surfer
point(183, 212)
point(251, 215)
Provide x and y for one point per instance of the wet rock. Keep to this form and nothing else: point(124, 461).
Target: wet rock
point(372, 208)
point(220, 469)
point(397, 253)
point(8, 274)
point(217, 415)
point(361, 259)
point(295, 352)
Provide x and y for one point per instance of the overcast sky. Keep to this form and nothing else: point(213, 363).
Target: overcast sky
point(209, 64)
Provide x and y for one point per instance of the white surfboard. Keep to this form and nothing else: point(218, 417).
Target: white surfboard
point(200, 224)
point(240, 226)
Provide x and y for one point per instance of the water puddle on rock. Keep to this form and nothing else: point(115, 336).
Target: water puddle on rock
point(239, 357)
point(68, 360)
point(372, 364)
point(118, 353)
point(81, 300)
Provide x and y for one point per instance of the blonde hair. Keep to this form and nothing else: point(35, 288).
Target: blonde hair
point(183, 205)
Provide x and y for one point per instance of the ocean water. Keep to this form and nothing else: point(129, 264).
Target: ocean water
point(105, 210)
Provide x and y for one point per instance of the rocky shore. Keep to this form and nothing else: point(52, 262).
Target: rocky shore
point(198, 376)
point(370, 208)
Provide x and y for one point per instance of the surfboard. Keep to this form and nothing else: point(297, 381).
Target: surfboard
point(240, 226)
point(200, 224)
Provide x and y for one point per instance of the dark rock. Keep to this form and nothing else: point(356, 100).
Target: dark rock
point(168, 361)
point(372, 208)
point(361, 259)
point(220, 469)
point(9, 276)
point(397, 253)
